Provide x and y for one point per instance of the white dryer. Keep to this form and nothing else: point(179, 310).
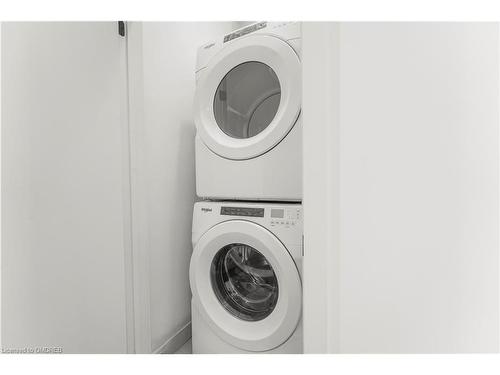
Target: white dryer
point(245, 277)
point(247, 113)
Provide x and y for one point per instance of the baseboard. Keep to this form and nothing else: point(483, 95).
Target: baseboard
point(176, 341)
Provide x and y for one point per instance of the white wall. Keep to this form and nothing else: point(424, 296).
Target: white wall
point(320, 109)
point(417, 187)
point(64, 200)
point(0, 184)
point(169, 55)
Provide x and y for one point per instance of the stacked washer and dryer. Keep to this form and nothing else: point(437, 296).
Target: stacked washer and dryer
point(246, 267)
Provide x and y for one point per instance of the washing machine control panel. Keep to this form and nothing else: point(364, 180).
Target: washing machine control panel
point(284, 217)
point(242, 211)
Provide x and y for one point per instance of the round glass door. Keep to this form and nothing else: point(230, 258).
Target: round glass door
point(246, 285)
point(244, 282)
point(247, 100)
point(248, 97)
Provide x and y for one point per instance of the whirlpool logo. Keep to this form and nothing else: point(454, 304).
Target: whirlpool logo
point(205, 209)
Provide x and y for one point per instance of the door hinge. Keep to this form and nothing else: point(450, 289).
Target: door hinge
point(121, 28)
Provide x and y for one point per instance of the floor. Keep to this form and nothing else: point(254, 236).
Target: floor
point(185, 349)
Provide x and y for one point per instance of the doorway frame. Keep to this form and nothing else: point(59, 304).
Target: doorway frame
point(321, 166)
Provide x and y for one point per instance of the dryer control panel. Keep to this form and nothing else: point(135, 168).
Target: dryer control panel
point(245, 31)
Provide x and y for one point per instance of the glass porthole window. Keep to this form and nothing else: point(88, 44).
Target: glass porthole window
point(247, 99)
point(244, 282)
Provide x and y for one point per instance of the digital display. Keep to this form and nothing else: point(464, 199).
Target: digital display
point(245, 31)
point(242, 211)
point(277, 213)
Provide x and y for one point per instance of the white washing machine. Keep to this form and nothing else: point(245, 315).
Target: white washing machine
point(247, 114)
point(245, 277)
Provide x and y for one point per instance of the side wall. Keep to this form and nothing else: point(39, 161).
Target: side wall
point(169, 55)
point(0, 184)
point(415, 180)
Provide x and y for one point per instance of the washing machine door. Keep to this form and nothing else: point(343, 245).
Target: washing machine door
point(246, 285)
point(248, 97)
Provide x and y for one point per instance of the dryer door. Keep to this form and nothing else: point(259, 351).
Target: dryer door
point(246, 285)
point(248, 97)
